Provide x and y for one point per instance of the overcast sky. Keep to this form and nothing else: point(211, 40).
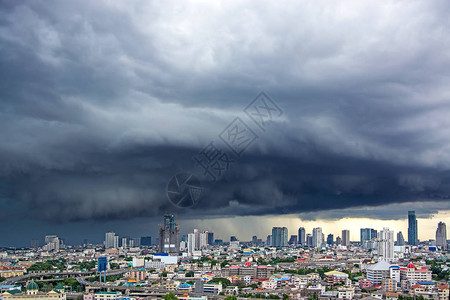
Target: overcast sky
point(102, 102)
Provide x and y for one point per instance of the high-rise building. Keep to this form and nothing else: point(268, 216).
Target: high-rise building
point(293, 240)
point(400, 239)
point(373, 234)
point(123, 242)
point(52, 242)
point(210, 238)
point(279, 236)
point(146, 240)
point(412, 229)
point(111, 240)
point(134, 242)
point(330, 239)
point(309, 240)
point(203, 239)
point(441, 235)
point(269, 240)
point(169, 235)
point(302, 236)
point(233, 238)
point(191, 243)
point(317, 237)
point(254, 240)
point(346, 237)
point(338, 241)
point(367, 234)
point(386, 244)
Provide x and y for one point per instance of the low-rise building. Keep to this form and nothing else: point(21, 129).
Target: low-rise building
point(414, 275)
point(346, 292)
point(269, 285)
point(334, 277)
point(378, 272)
point(209, 288)
point(33, 293)
point(107, 295)
point(443, 292)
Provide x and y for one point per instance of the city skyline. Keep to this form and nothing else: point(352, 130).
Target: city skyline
point(107, 118)
point(326, 228)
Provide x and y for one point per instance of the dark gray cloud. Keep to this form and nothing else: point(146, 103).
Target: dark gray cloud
point(101, 103)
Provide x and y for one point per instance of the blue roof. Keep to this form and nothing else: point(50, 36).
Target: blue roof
point(426, 283)
point(185, 285)
point(282, 278)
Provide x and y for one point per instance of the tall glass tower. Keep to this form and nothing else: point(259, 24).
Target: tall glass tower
point(301, 236)
point(169, 235)
point(279, 236)
point(412, 229)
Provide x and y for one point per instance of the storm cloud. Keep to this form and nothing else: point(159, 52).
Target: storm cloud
point(102, 102)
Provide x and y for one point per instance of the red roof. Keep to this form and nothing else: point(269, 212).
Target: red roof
point(443, 287)
point(417, 286)
point(262, 267)
point(260, 279)
point(234, 267)
point(248, 264)
point(411, 266)
point(424, 269)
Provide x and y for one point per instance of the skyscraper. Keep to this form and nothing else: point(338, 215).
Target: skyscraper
point(210, 238)
point(169, 235)
point(441, 235)
point(346, 237)
point(309, 240)
point(330, 239)
point(386, 244)
point(191, 243)
point(366, 235)
point(52, 242)
point(373, 233)
point(412, 229)
point(317, 237)
point(301, 236)
point(111, 240)
point(269, 240)
point(400, 239)
point(203, 239)
point(279, 236)
point(293, 240)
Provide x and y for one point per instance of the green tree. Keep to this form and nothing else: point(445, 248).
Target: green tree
point(224, 263)
point(190, 274)
point(170, 296)
point(230, 298)
point(225, 282)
